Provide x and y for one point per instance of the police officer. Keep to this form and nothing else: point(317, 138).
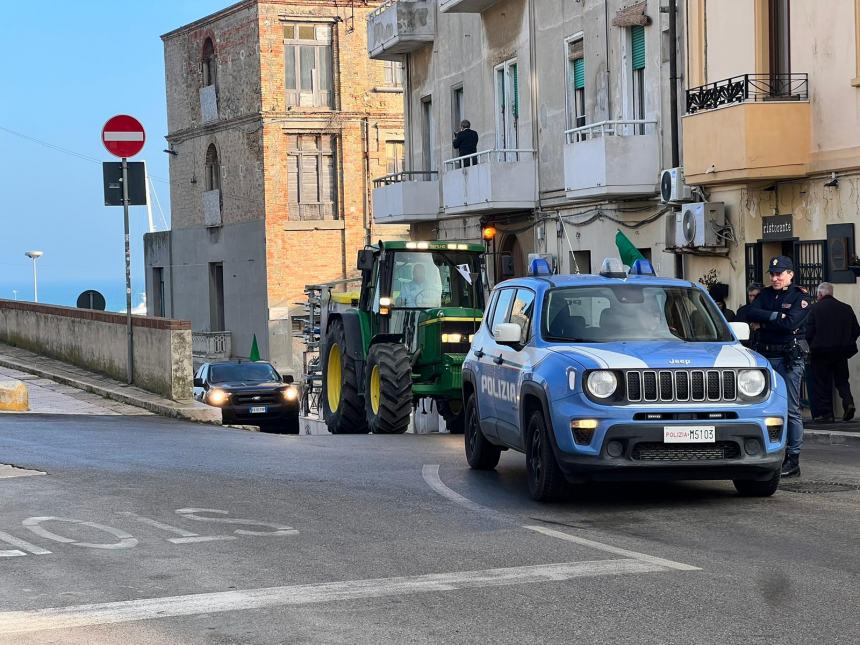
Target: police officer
point(781, 311)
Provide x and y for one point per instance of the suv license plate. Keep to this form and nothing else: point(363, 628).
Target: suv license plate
point(689, 434)
point(260, 409)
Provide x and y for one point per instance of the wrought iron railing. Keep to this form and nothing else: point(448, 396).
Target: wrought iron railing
point(619, 128)
point(748, 88)
point(498, 155)
point(407, 175)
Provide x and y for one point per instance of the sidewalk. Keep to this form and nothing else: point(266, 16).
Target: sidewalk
point(14, 358)
point(838, 432)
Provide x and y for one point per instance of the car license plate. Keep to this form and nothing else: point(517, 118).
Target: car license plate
point(689, 434)
point(258, 409)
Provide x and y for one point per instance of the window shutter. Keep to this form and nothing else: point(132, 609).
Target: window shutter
point(637, 37)
point(579, 73)
point(515, 78)
point(293, 185)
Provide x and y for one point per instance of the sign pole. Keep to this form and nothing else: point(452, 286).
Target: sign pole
point(129, 362)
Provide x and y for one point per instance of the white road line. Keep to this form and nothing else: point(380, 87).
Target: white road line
point(201, 538)
point(612, 549)
point(8, 471)
point(159, 525)
point(21, 544)
point(431, 476)
point(19, 622)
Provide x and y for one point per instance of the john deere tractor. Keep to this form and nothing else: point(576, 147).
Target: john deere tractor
point(402, 337)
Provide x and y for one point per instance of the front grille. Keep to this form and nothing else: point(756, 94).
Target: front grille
point(256, 398)
point(651, 386)
point(685, 451)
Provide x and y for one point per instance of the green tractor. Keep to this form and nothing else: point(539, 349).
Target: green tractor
point(403, 337)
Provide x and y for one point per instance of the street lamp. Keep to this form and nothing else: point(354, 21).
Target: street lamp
point(34, 255)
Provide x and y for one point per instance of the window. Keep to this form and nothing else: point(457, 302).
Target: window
point(458, 107)
point(394, 155)
point(637, 58)
point(436, 279)
point(209, 64)
point(575, 83)
point(308, 65)
point(216, 296)
point(428, 133)
point(393, 74)
point(507, 106)
point(580, 262)
point(521, 313)
point(779, 26)
point(503, 305)
point(312, 176)
point(212, 179)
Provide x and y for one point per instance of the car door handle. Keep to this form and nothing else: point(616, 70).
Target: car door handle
point(498, 360)
point(479, 353)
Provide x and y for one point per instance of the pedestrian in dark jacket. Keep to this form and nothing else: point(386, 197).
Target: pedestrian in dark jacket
point(753, 290)
point(466, 142)
point(832, 333)
point(719, 292)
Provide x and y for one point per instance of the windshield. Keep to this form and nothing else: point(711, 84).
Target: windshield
point(597, 314)
point(436, 279)
point(242, 372)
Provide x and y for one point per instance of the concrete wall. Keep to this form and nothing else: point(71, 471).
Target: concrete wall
point(97, 341)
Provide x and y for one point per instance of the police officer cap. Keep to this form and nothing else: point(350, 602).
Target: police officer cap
point(779, 264)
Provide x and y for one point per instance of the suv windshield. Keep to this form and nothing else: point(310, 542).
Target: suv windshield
point(436, 279)
point(595, 314)
point(242, 372)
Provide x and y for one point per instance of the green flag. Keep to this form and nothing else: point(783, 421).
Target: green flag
point(255, 352)
point(629, 253)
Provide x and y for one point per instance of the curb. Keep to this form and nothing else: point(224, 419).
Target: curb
point(189, 411)
point(832, 437)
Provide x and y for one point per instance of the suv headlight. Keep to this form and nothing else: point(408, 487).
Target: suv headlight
point(751, 383)
point(602, 384)
point(291, 393)
point(217, 396)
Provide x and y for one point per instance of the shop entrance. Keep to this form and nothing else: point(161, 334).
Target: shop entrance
point(810, 268)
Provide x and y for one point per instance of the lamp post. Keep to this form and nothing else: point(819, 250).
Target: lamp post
point(34, 255)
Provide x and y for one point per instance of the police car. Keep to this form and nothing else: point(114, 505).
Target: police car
point(620, 376)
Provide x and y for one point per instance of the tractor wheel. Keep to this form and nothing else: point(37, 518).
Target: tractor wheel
point(389, 388)
point(453, 413)
point(343, 407)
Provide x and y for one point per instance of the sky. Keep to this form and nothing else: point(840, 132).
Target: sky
point(68, 67)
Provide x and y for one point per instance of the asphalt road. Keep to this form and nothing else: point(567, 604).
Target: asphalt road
point(146, 530)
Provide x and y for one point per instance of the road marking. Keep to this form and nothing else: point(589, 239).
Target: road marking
point(22, 545)
point(19, 622)
point(126, 541)
point(612, 549)
point(8, 471)
point(201, 538)
point(191, 514)
point(159, 525)
point(431, 476)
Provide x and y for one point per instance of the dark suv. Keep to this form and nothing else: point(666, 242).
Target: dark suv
point(250, 393)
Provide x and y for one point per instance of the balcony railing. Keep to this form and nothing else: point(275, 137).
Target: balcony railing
point(408, 175)
point(211, 345)
point(619, 128)
point(748, 88)
point(498, 155)
point(489, 181)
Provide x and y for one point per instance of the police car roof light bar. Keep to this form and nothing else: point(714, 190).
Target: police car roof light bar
point(642, 267)
point(539, 266)
point(612, 268)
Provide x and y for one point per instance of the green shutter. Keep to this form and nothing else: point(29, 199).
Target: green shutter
point(516, 81)
point(579, 73)
point(637, 38)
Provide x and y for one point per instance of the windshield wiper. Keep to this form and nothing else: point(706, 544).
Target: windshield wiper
point(565, 339)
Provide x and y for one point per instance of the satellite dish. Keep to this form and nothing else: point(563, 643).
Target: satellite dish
point(91, 299)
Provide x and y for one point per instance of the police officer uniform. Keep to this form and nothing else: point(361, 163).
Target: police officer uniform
point(781, 339)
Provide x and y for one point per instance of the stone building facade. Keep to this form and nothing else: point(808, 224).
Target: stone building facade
point(277, 121)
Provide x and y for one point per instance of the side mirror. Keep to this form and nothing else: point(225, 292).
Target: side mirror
point(287, 378)
point(741, 330)
point(198, 382)
point(507, 333)
point(365, 260)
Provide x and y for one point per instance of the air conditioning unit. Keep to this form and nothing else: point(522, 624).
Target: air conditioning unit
point(700, 224)
point(673, 190)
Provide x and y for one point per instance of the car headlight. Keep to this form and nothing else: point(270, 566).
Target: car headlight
point(751, 383)
point(217, 397)
point(291, 393)
point(602, 384)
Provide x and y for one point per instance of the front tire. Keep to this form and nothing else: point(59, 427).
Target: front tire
point(453, 413)
point(480, 453)
point(752, 488)
point(388, 399)
point(546, 481)
point(343, 406)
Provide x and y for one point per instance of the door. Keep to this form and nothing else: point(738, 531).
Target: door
point(428, 133)
point(511, 361)
point(216, 296)
point(488, 354)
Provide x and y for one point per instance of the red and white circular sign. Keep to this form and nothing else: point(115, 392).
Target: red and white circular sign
point(123, 135)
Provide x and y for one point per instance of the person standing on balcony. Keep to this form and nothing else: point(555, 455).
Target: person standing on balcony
point(466, 142)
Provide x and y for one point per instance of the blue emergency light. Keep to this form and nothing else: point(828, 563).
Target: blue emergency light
point(642, 267)
point(539, 266)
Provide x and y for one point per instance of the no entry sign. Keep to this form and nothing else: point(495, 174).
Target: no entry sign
point(123, 136)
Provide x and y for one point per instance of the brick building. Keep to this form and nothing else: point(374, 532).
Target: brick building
point(277, 120)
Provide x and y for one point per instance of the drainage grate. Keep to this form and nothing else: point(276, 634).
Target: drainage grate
point(815, 487)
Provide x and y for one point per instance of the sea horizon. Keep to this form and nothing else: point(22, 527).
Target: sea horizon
point(66, 292)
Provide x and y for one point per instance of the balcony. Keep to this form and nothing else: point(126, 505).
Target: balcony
point(211, 345)
point(406, 198)
point(747, 128)
point(465, 6)
point(489, 181)
point(399, 27)
point(612, 159)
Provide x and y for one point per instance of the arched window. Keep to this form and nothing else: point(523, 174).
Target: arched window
point(209, 63)
point(213, 169)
